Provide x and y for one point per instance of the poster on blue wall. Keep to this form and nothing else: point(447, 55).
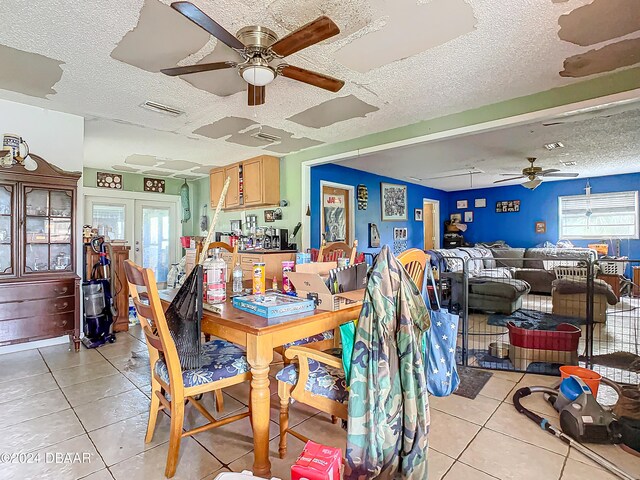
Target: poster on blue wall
point(394, 201)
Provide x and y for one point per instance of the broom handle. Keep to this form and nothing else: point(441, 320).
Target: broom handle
point(203, 254)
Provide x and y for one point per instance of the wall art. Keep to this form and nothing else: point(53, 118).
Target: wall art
point(394, 201)
point(507, 206)
point(109, 180)
point(153, 185)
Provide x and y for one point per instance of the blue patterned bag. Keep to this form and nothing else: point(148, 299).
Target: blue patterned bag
point(440, 352)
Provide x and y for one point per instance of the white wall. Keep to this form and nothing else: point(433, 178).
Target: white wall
point(59, 139)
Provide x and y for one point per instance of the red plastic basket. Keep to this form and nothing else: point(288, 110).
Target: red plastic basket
point(564, 338)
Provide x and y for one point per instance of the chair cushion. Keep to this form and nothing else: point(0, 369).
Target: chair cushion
point(328, 335)
point(323, 380)
point(221, 360)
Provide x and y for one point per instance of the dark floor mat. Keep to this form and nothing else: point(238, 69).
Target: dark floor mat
point(621, 360)
point(472, 380)
point(493, 363)
point(533, 320)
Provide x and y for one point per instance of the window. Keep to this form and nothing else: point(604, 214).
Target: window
point(109, 220)
point(599, 216)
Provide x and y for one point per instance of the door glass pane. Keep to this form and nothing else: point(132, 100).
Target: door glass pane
point(60, 258)
point(37, 230)
point(5, 200)
point(60, 204)
point(60, 230)
point(155, 241)
point(5, 259)
point(37, 258)
point(37, 202)
point(109, 220)
point(5, 229)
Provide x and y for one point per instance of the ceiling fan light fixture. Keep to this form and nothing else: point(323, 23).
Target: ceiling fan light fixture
point(532, 184)
point(258, 74)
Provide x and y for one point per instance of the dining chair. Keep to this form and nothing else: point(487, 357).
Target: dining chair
point(172, 388)
point(415, 262)
point(330, 252)
point(224, 246)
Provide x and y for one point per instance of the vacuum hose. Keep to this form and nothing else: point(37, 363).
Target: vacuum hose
point(546, 425)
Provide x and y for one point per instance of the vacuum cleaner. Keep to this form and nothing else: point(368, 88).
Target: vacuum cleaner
point(582, 419)
point(97, 294)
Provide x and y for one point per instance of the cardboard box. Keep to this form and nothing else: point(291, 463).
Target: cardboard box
point(309, 280)
point(317, 462)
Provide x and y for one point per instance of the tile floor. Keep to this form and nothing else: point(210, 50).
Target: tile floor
point(54, 401)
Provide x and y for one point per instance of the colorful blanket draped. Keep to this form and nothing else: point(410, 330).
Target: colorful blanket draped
point(388, 407)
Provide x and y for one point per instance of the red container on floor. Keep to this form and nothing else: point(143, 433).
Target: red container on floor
point(317, 462)
point(564, 338)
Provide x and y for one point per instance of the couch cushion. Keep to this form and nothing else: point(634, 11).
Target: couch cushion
point(508, 257)
point(510, 289)
point(323, 380)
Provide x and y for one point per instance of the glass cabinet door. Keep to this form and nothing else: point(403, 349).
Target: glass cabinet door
point(48, 230)
point(7, 198)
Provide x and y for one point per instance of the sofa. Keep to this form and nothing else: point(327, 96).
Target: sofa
point(569, 298)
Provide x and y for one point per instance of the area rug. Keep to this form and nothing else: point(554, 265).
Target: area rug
point(533, 320)
point(472, 380)
point(621, 360)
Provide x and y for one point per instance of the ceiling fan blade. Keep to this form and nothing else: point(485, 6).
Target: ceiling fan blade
point(312, 78)
point(311, 33)
point(512, 174)
point(256, 95)
point(562, 174)
point(205, 67)
point(204, 21)
point(510, 179)
point(548, 171)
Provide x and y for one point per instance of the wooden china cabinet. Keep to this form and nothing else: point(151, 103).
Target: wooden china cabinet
point(39, 288)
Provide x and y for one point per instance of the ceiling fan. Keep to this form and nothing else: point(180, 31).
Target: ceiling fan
point(258, 47)
point(535, 174)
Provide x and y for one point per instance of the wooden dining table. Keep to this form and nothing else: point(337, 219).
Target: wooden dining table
point(259, 336)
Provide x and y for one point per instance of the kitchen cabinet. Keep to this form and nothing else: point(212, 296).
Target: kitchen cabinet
point(254, 183)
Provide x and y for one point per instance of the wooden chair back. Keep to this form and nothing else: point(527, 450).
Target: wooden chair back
point(330, 252)
point(415, 263)
point(224, 246)
point(144, 291)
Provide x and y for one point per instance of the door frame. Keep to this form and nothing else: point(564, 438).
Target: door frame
point(139, 205)
point(352, 211)
point(436, 221)
point(141, 196)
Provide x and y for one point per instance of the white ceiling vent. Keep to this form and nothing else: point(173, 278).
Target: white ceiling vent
point(160, 108)
point(267, 137)
point(554, 145)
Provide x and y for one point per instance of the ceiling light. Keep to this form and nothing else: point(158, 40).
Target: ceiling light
point(257, 72)
point(160, 108)
point(532, 184)
point(554, 145)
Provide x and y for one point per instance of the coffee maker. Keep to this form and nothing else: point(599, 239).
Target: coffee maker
point(280, 239)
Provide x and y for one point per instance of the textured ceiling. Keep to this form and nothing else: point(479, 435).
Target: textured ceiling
point(477, 52)
point(602, 142)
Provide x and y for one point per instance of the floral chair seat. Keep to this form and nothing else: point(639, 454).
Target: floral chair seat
point(328, 335)
point(221, 360)
point(323, 380)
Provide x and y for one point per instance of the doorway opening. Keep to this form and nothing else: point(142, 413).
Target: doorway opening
point(431, 223)
point(337, 215)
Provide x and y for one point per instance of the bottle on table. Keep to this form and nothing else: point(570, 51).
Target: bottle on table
point(216, 271)
point(237, 278)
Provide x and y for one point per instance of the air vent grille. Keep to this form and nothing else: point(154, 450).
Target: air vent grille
point(160, 108)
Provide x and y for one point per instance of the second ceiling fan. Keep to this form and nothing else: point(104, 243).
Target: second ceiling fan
point(534, 175)
point(258, 47)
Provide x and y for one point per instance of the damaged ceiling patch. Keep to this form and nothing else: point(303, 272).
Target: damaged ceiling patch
point(333, 111)
point(204, 169)
point(157, 173)
point(144, 160)
point(599, 21)
point(188, 178)
point(28, 73)
point(608, 58)
point(161, 39)
point(410, 28)
point(178, 165)
point(286, 144)
point(223, 127)
point(124, 168)
point(219, 82)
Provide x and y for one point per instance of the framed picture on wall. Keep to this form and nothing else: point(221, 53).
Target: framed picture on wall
point(462, 204)
point(455, 218)
point(541, 227)
point(393, 201)
point(468, 217)
point(417, 214)
point(480, 202)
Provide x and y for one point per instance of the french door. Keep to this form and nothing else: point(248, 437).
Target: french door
point(151, 227)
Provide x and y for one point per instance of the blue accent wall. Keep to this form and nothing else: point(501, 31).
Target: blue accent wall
point(541, 204)
point(350, 176)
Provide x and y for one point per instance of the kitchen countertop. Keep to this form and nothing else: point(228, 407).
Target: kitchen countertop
point(262, 252)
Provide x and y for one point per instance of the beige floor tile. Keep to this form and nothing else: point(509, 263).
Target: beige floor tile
point(100, 475)
point(439, 464)
point(140, 377)
point(575, 470)
point(510, 459)
point(193, 418)
point(131, 360)
point(32, 407)
point(232, 441)
point(136, 332)
point(320, 430)
point(83, 373)
point(40, 432)
point(450, 435)
point(193, 464)
point(477, 410)
point(124, 439)
point(21, 364)
point(66, 467)
point(25, 387)
point(62, 356)
point(125, 344)
point(613, 453)
point(87, 392)
point(112, 409)
point(215, 474)
point(298, 412)
point(497, 388)
point(241, 391)
point(507, 375)
point(535, 401)
point(460, 471)
point(508, 421)
point(280, 468)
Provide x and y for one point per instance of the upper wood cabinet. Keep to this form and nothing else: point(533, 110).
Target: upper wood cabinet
point(254, 183)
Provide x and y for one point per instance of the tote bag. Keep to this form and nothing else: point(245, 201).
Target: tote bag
point(440, 349)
